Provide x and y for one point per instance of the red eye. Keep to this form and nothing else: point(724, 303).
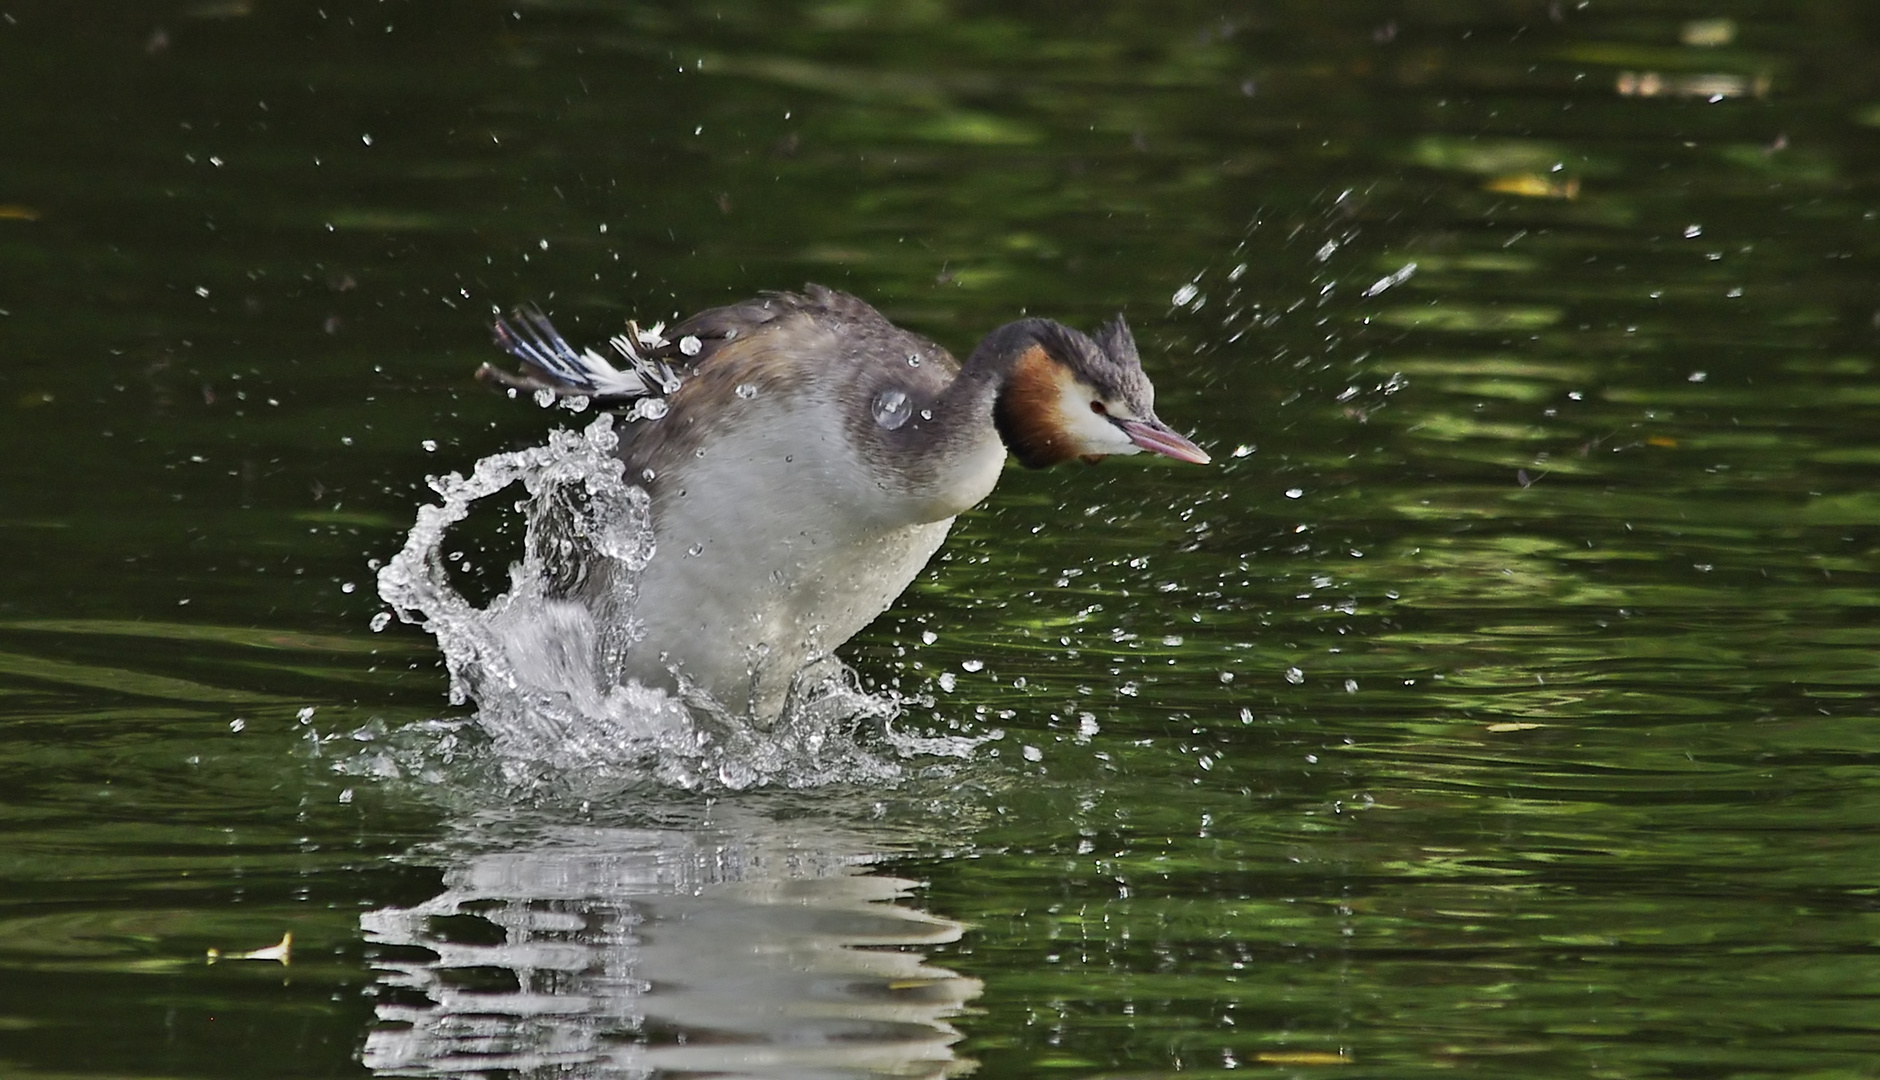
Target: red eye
point(1097, 407)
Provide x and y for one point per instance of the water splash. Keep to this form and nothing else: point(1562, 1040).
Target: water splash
point(892, 408)
point(544, 669)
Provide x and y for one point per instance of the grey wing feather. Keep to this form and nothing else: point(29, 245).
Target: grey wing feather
point(653, 363)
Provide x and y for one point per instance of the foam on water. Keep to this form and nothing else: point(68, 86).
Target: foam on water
point(543, 671)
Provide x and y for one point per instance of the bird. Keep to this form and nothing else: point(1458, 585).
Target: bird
point(804, 458)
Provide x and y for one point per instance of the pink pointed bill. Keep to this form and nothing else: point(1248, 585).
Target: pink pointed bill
point(1156, 438)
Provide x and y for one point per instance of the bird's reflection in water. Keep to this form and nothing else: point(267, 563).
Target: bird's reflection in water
point(759, 948)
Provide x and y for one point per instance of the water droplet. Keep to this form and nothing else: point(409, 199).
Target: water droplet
point(237, 724)
point(695, 551)
point(928, 637)
point(948, 681)
point(1129, 689)
point(1295, 493)
point(648, 475)
point(1693, 231)
point(348, 587)
point(913, 359)
point(1295, 676)
point(380, 621)
point(747, 391)
point(430, 446)
point(1184, 294)
point(650, 409)
point(690, 345)
point(1032, 753)
point(346, 796)
point(892, 409)
point(545, 397)
point(1243, 450)
point(972, 665)
point(1351, 686)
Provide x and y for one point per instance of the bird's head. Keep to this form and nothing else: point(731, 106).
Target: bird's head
point(1067, 395)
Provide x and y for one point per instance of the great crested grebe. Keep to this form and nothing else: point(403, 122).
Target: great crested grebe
point(810, 458)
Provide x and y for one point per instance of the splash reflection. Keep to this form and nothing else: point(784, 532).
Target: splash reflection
point(757, 949)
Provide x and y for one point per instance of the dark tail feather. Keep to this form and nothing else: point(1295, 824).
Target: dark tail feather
point(550, 363)
point(544, 353)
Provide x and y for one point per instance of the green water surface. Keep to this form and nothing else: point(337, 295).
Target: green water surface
point(1501, 703)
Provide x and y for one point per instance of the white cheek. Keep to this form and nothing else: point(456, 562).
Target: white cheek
point(1091, 432)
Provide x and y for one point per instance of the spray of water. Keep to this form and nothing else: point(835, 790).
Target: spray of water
point(543, 670)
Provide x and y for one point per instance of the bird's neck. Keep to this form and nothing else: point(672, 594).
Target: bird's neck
point(952, 451)
point(987, 374)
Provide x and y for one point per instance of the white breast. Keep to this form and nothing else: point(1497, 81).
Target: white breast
point(777, 545)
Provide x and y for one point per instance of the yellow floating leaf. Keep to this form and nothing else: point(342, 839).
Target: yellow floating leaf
point(1535, 186)
point(1512, 727)
point(15, 212)
point(1660, 440)
point(1302, 1057)
point(282, 952)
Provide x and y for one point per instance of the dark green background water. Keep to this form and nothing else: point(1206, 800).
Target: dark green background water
point(1502, 704)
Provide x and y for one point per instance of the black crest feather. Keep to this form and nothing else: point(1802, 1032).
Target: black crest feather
point(1115, 339)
